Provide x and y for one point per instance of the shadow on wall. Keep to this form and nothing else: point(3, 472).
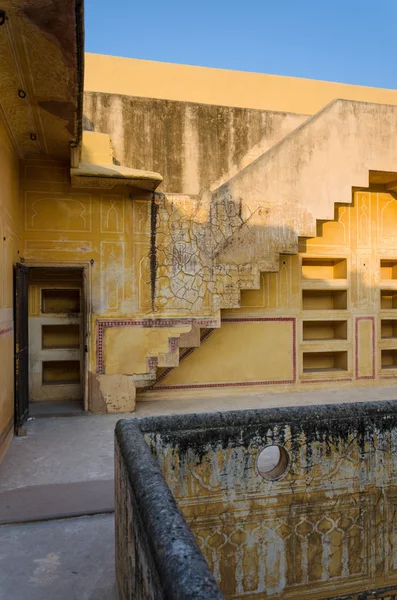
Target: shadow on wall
point(204, 253)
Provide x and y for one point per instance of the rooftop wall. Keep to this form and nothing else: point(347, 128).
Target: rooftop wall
point(193, 146)
point(149, 79)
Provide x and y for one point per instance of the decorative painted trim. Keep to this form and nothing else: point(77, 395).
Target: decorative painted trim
point(372, 319)
point(326, 380)
point(173, 344)
point(243, 383)
point(103, 324)
point(8, 330)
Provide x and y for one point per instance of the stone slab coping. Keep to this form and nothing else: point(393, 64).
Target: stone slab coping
point(182, 569)
point(376, 410)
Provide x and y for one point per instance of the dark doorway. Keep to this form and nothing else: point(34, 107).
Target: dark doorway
point(21, 344)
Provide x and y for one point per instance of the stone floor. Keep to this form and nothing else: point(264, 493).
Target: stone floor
point(72, 449)
point(69, 559)
point(73, 558)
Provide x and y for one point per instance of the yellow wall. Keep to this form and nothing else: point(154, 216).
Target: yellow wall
point(10, 214)
point(342, 291)
point(94, 229)
point(133, 77)
point(325, 529)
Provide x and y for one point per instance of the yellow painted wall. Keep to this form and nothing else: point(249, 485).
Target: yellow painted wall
point(325, 528)
point(79, 227)
point(257, 348)
point(10, 217)
point(342, 291)
point(133, 77)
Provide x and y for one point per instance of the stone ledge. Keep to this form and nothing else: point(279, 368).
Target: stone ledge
point(155, 550)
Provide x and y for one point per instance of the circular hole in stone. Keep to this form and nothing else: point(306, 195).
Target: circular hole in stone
point(272, 462)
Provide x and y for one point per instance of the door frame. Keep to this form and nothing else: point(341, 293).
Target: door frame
point(86, 268)
point(21, 347)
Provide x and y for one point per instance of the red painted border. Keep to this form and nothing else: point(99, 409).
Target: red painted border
point(326, 380)
point(244, 383)
point(103, 324)
point(372, 319)
point(8, 330)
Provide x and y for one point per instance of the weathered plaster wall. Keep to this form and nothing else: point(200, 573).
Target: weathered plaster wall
point(157, 557)
point(325, 530)
point(100, 231)
point(85, 228)
point(133, 77)
point(281, 328)
point(193, 146)
point(161, 263)
point(10, 225)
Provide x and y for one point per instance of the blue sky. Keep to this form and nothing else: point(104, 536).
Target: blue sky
point(350, 41)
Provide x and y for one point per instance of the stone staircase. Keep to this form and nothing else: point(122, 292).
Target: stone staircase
point(227, 237)
point(180, 347)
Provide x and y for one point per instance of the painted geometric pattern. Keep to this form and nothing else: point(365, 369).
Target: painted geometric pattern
point(326, 529)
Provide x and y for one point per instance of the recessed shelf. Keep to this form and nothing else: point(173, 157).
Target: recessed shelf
point(388, 329)
point(324, 299)
point(60, 336)
point(324, 268)
point(61, 372)
point(389, 359)
point(60, 301)
point(388, 299)
point(388, 269)
point(324, 362)
point(324, 330)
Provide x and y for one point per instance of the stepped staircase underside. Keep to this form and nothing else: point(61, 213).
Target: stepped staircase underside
point(209, 248)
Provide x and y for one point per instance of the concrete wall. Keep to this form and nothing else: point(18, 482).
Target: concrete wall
point(149, 79)
point(325, 528)
point(193, 146)
point(10, 225)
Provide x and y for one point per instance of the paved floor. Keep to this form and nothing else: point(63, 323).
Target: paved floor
point(72, 449)
point(56, 409)
point(70, 559)
point(235, 400)
point(60, 450)
point(34, 503)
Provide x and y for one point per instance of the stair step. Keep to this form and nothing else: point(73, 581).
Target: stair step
point(190, 339)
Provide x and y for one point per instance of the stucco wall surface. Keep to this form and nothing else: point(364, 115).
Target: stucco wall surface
point(291, 319)
point(10, 230)
point(160, 264)
point(193, 146)
point(325, 529)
